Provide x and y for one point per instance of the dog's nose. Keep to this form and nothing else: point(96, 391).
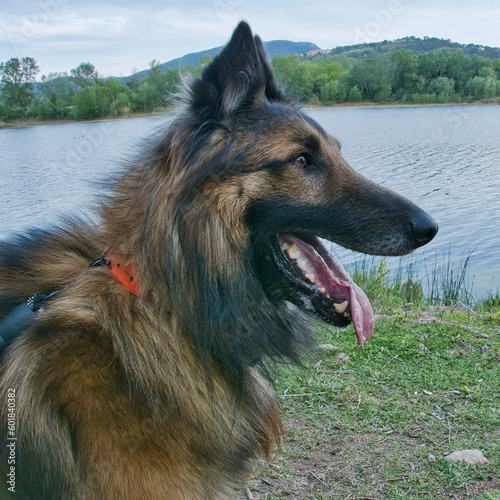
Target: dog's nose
point(423, 228)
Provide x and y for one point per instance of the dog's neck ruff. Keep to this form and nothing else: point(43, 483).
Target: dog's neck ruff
point(125, 274)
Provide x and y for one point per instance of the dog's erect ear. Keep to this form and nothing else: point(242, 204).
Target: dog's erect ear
point(236, 79)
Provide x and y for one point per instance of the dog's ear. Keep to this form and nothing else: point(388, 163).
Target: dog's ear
point(238, 78)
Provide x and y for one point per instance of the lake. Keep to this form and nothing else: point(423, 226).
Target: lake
point(446, 159)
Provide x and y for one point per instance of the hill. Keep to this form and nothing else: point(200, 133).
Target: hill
point(418, 46)
point(274, 47)
point(286, 47)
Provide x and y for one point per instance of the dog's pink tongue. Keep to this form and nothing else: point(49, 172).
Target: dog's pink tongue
point(361, 314)
point(331, 278)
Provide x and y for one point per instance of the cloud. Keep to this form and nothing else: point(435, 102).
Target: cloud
point(43, 31)
point(118, 37)
point(71, 24)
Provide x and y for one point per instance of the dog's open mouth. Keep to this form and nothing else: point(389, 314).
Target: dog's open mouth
point(322, 284)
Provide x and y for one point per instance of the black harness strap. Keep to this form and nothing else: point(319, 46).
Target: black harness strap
point(19, 319)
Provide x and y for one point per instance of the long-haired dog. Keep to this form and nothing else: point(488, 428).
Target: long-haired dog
point(139, 376)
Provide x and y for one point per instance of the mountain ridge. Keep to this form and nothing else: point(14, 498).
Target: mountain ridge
point(287, 47)
point(273, 47)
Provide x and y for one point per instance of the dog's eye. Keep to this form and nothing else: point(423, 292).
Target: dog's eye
point(301, 161)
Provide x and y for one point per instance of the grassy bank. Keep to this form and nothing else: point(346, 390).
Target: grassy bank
point(376, 422)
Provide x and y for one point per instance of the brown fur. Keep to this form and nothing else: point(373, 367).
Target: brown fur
point(112, 367)
point(122, 397)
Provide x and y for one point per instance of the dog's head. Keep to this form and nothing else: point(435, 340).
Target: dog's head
point(234, 203)
point(274, 164)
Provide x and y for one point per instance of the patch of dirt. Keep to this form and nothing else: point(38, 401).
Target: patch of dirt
point(358, 467)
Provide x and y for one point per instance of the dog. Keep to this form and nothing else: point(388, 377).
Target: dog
point(141, 373)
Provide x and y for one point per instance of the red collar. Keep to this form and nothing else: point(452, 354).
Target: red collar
point(125, 274)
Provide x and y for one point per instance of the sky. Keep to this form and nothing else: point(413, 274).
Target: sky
point(121, 38)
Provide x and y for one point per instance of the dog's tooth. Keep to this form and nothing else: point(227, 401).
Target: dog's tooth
point(285, 246)
point(322, 289)
point(294, 252)
point(302, 264)
point(310, 277)
point(347, 315)
point(341, 308)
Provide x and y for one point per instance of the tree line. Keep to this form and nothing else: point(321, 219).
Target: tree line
point(441, 76)
point(399, 76)
point(80, 95)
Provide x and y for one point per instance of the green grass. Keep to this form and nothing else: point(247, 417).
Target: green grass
point(444, 282)
point(376, 422)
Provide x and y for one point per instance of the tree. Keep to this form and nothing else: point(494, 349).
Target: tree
point(333, 91)
point(85, 74)
point(59, 89)
point(384, 93)
point(205, 61)
point(496, 66)
point(442, 86)
point(371, 75)
point(324, 72)
point(18, 76)
point(120, 105)
point(354, 94)
point(295, 76)
point(487, 71)
point(91, 102)
point(455, 63)
point(451, 63)
point(85, 104)
point(429, 65)
point(46, 109)
point(480, 87)
point(19, 71)
point(114, 88)
point(154, 90)
point(405, 70)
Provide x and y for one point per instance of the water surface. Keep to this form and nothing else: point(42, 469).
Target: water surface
point(446, 159)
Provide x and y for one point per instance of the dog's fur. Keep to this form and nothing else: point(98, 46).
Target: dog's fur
point(119, 396)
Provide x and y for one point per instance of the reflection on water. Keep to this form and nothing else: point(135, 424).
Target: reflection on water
point(446, 159)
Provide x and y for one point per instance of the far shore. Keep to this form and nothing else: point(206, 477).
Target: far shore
point(33, 123)
point(163, 113)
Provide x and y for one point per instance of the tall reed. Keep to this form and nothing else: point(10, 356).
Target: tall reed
point(445, 282)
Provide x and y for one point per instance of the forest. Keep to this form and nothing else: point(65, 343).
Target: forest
point(444, 75)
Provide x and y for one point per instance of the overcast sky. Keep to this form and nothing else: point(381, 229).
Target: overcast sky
point(122, 37)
